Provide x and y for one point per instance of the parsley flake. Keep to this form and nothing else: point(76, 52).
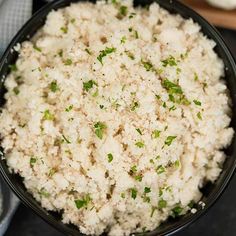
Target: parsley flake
point(160, 169)
point(123, 10)
point(13, 67)
point(139, 144)
point(68, 62)
point(147, 65)
point(170, 61)
point(123, 39)
point(47, 115)
point(104, 53)
point(66, 139)
point(37, 48)
point(100, 127)
point(32, 161)
point(80, 203)
point(169, 140)
point(69, 108)
point(109, 157)
point(162, 203)
point(156, 133)
point(199, 115)
point(88, 51)
point(139, 131)
point(16, 90)
point(133, 193)
point(89, 84)
point(53, 86)
point(147, 190)
point(198, 103)
point(64, 30)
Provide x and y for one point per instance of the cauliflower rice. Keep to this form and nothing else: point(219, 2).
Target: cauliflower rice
point(116, 116)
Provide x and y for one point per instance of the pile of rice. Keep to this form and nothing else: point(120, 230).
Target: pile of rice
point(116, 116)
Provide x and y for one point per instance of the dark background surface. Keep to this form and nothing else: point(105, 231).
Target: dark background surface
point(220, 220)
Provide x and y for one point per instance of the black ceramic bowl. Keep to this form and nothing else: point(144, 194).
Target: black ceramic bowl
point(210, 192)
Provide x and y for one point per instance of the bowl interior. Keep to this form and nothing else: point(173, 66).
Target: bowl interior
point(210, 192)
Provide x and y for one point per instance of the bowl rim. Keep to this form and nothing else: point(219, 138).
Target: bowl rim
point(182, 10)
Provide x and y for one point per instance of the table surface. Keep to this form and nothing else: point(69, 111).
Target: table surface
point(220, 220)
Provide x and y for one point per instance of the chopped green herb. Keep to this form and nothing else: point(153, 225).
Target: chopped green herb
point(153, 210)
point(183, 56)
point(177, 163)
point(178, 70)
point(66, 139)
point(133, 169)
point(88, 51)
point(139, 131)
point(198, 103)
point(101, 106)
point(138, 178)
point(160, 169)
point(60, 53)
point(160, 192)
point(32, 161)
point(191, 204)
point(16, 90)
point(89, 84)
point(169, 140)
point(170, 61)
point(177, 210)
point(130, 55)
point(44, 193)
point(123, 10)
point(52, 172)
point(13, 67)
point(69, 108)
point(109, 157)
point(162, 203)
point(133, 193)
point(156, 133)
point(130, 29)
point(47, 115)
point(53, 86)
point(64, 30)
point(147, 190)
point(164, 104)
point(199, 115)
point(136, 34)
point(134, 106)
point(195, 76)
point(132, 15)
point(72, 20)
point(147, 65)
point(123, 39)
point(122, 195)
point(68, 62)
point(171, 87)
point(95, 94)
point(80, 203)
point(37, 48)
point(139, 144)
point(104, 53)
point(157, 97)
point(100, 127)
point(172, 108)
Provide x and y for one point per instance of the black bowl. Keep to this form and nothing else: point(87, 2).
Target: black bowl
point(210, 192)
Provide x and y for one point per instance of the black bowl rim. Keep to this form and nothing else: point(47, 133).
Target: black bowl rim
point(181, 9)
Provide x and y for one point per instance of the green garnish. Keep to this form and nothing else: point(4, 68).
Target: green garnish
point(52, 172)
point(147, 65)
point(13, 67)
point(169, 140)
point(47, 115)
point(122, 195)
point(139, 144)
point(139, 131)
point(162, 203)
point(104, 53)
point(199, 115)
point(177, 163)
point(64, 29)
point(136, 34)
point(130, 29)
point(138, 178)
point(191, 204)
point(32, 161)
point(101, 106)
point(123, 10)
point(37, 48)
point(69, 108)
point(68, 62)
point(130, 55)
point(177, 210)
point(16, 90)
point(195, 76)
point(160, 169)
point(156, 133)
point(72, 20)
point(89, 84)
point(170, 61)
point(60, 53)
point(132, 15)
point(100, 127)
point(147, 190)
point(109, 157)
point(95, 94)
point(88, 51)
point(172, 108)
point(44, 193)
point(80, 203)
point(171, 87)
point(133, 169)
point(198, 103)
point(157, 96)
point(133, 193)
point(153, 210)
point(53, 86)
point(134, 106)
point(65, 139)
point(123, 39)
point(164, 104)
